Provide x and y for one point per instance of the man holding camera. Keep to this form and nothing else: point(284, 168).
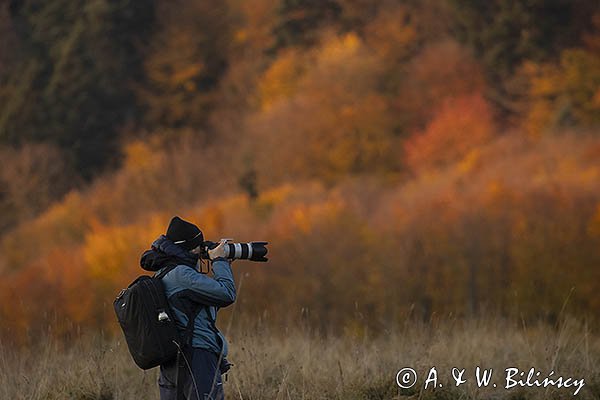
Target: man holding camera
point(194, 298)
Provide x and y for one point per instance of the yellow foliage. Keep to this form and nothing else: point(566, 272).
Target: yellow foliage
point(211, 219)
point(541, 118)
point(139, 156)
point(276, 195)
point(304, 217)
point(63, 224)
point(257, 19)
point(495, 188)
point(107, 248)
point(186, 73)
point(334, 123)
point(214, 217)
point(301, 219)
point(177, 66)
point(112, 252)
point(281, 79)
point(392, 34)
point(596, 99)
point(470, 161)
point(594, 225)
point(339, 48)
point(241, 35)
point(564, 94)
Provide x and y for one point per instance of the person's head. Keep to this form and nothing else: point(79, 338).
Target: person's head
point(184, 234)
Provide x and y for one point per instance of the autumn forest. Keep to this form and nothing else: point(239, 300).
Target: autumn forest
point(407, 160)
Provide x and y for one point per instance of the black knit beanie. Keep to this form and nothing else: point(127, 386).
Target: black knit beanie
point(184, 234)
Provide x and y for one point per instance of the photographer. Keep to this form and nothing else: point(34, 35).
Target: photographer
point(194, 297)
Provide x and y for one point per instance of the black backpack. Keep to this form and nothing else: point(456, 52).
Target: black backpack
point(148, 322)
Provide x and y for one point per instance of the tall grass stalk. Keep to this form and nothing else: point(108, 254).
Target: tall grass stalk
point(301, 365)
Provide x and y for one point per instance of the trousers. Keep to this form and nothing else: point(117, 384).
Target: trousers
point(200, 384)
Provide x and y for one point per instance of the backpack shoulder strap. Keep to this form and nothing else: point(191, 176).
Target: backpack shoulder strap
point(166, 270)
point(189, 329)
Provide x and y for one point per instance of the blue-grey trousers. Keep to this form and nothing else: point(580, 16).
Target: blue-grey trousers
point(200, 385)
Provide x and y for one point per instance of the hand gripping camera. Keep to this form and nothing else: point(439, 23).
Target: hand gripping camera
point(253, 251)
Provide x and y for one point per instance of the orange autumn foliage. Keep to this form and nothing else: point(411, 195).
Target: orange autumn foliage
point(460, 125)
point(376, 161)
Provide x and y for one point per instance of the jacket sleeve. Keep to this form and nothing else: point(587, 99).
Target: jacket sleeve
point(214, 291)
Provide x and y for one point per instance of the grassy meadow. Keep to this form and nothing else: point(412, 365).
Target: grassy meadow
point(301, 365)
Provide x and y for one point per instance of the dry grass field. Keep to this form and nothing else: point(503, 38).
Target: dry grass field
point(300, 365)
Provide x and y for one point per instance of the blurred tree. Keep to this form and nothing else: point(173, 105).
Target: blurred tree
point(440, 71)
point(567, 93)
point(71, 82)
point(504, 33)
point(392, 35)
point(355, 14)
point(184, 62)
point(327, 122)
point(254, 23)
point(281, 80)
point(487, 223)
point(300, 21)
point(32, 177)
point(459, 127)
point(8, 42)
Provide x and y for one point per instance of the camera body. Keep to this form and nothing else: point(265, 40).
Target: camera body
point(252, 251)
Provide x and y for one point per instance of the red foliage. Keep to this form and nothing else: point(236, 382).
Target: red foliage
point(460, 125)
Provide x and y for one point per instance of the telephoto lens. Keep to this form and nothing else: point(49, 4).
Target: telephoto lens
point(253, 251)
